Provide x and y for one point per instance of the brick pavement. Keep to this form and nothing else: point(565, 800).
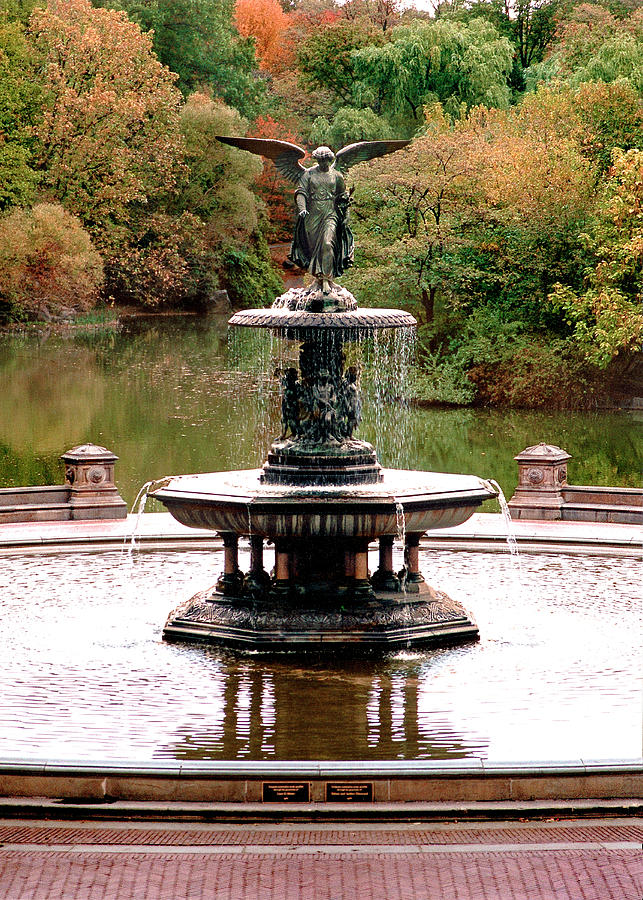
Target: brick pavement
point(78, 861)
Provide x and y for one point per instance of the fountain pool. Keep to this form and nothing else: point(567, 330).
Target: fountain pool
point(555, 675)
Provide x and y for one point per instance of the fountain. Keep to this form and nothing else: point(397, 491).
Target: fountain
point(322, 497)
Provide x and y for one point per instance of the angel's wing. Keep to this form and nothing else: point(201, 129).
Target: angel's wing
point(285, 156)
point(362, 150)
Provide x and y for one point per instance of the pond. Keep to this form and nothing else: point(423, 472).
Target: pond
point(167, 396)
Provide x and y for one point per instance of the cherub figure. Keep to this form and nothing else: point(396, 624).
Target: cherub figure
point(323, 408)
point(350, 402)
point(323, 242)
point(290, 403)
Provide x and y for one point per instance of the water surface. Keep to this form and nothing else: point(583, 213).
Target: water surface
point(85, 674)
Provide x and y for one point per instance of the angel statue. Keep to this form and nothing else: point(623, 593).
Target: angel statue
point(322, 242)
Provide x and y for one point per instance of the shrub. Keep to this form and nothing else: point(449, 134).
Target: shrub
point(47, 263)
point(164, 263)
point(538, 376)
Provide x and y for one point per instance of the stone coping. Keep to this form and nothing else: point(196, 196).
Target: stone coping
point(242, 785)
point(160, 531)
point(263, 769)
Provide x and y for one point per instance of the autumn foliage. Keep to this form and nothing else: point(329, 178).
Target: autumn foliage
point(47, 262)
point(267, 23)
point(109, 135)
point(510, 225)
point(274, 190)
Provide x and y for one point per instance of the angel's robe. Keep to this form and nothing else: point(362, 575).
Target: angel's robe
point(323, 242)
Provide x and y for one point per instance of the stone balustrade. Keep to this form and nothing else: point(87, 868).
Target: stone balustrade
point(544, 493)
point(89, 491)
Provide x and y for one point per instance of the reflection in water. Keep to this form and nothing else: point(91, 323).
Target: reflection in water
point(170, 397)
point(329, 711)
point(85, 673)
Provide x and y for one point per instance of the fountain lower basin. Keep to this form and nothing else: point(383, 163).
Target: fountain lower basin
point(238, 502)
point(321, 594)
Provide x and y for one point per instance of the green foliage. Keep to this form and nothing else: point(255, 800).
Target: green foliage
point(247, 274)
point(349, 125)
point(440, 380)
point(456, 63)
point(326, 61)
point(218, 186)
point(18, 10)
point(196, 39)
point(607, 318)
point(538, 374)
point(47, 261)
point(593, 45)
point(19, 101)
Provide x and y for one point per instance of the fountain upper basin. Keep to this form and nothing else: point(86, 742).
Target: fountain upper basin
point(238, 502)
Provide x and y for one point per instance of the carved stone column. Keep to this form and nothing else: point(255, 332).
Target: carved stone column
point(412, 562)
point(385, 579)
point(257, 580)
point(231, 582)
point(282, 581)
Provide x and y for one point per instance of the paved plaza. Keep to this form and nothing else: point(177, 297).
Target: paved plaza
point(571, 859)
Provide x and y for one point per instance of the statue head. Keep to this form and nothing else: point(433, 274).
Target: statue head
point(324, 155)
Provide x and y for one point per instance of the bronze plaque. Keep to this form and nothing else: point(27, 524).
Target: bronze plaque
point(285, 792)
point(349, 791)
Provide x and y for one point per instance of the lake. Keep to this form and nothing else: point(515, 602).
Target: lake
point(168, 396)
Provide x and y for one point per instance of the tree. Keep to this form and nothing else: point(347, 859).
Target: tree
point(47, 261)
point(109, 136)
point(383, 14)
point(455, 63)
point(197, 40)
point(407, 214)
point(218, 184)
point(529, 24)
point(607, 317)
point(265, 22)
point(348, 125)
point(274, 190)
point(326, 61)
point(219, 190)
point(597, 116)
point(19, 109)
point(594, 45)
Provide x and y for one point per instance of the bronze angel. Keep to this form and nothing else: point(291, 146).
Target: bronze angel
point(323, 242)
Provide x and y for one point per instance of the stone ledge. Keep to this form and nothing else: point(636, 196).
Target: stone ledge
point(421, 781)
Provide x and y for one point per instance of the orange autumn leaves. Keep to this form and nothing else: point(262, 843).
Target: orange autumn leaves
point(267, 23)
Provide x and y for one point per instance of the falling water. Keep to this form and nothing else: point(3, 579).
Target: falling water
point(138, 508)
point(509, 529)
point(388, 355)
point(256, 359)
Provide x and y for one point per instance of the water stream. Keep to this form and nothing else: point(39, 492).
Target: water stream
point(138, 508)
point(512, 543)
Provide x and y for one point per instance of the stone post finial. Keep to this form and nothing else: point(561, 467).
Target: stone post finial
point(89, 472)
point(542, 475)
